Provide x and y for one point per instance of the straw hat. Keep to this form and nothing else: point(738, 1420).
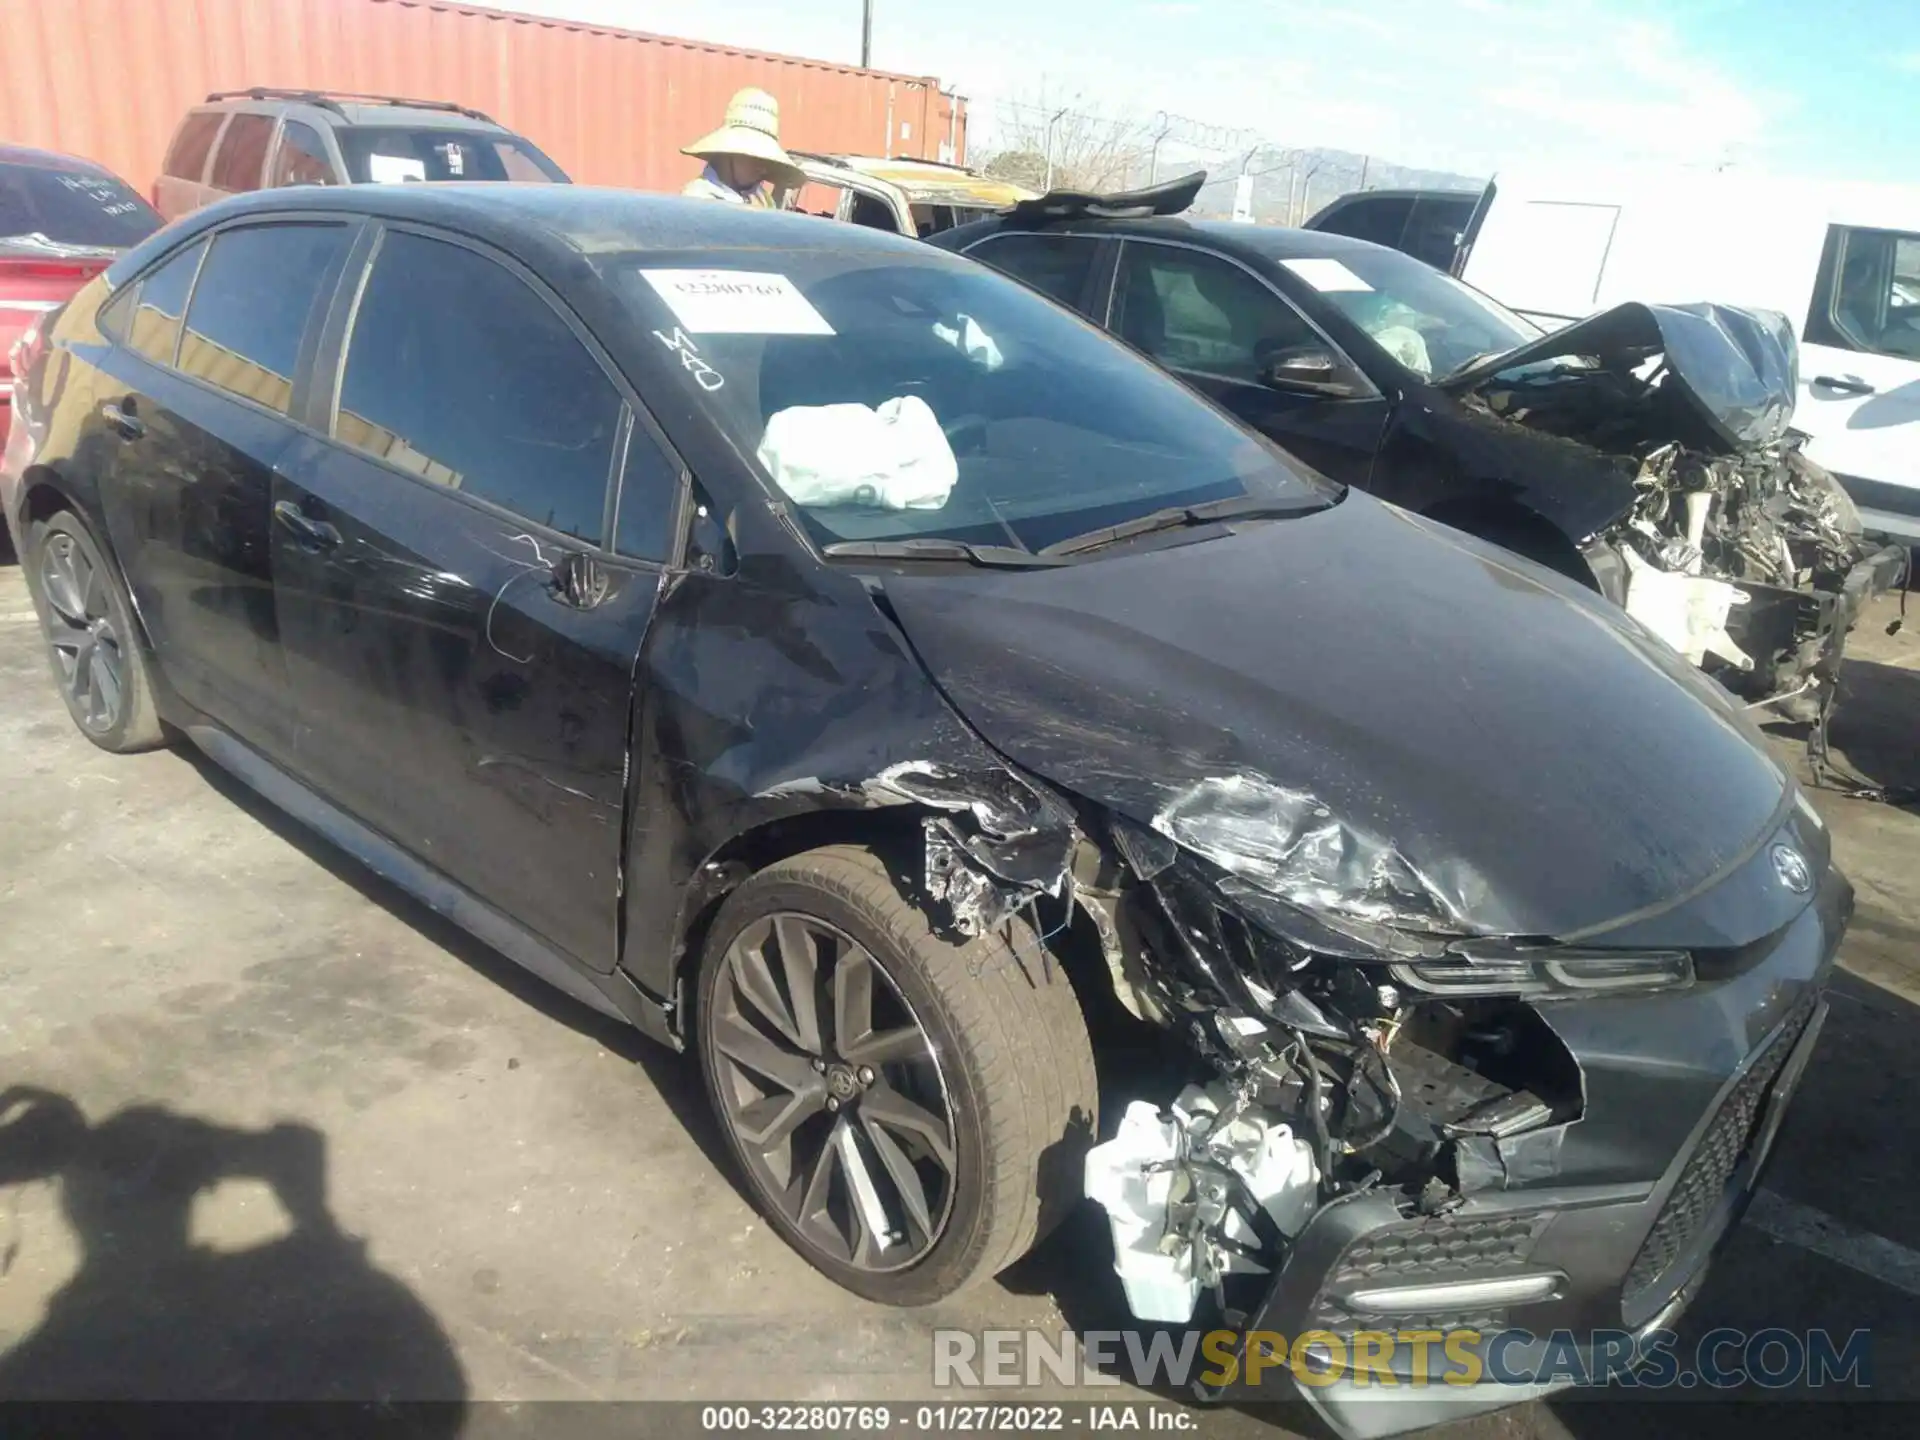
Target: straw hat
point(752, 128)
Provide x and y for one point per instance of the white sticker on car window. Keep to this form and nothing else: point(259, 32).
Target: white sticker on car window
point(736, 302)
point(395, 169)
point(1326, 276)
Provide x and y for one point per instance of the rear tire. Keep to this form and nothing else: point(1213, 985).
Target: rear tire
point(1000, 1102)
point(86, 620)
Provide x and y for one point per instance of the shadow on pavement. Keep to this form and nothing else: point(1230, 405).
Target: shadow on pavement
point(152, 1315)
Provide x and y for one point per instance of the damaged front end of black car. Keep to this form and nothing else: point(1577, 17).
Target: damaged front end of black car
point(1730, 544)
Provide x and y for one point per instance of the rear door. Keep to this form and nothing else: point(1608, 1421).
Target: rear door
point(1860, 372)
point(1222, 329)
point(179, 190)
point(192, 412)
point(460, 605)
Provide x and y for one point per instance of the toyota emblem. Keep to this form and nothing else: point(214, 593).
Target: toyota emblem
point(1791, 866)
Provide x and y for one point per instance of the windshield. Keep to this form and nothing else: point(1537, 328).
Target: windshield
point(1429, 322)
point(892, 396)
point(393, 156)
point(81, 209)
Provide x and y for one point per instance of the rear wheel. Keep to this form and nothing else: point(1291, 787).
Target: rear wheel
point(91, 644)
point(911, 1112)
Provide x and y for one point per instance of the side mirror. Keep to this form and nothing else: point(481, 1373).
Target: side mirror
point(578, 580)
point(1310, 370)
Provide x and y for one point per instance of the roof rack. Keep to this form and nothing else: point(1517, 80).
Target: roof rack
point(330, 100)
point(1168, 199)
point(845, 162)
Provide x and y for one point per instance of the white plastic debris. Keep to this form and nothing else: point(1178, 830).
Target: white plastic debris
point(1689, 612)
point(1156, 1268)
point(1137, 1175)
point(895, 457)
point(1276, 1164)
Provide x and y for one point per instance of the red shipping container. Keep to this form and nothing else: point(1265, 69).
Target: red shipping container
point(110, 79)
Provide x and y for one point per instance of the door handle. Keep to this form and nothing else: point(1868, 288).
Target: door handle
point(1845, 385)
point(115, 413)
point(314, 534)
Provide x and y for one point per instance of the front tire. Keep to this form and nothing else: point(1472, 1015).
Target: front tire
point(87, 623)
point(911, 1111)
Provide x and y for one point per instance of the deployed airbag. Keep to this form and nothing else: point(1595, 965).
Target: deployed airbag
point(895, 457)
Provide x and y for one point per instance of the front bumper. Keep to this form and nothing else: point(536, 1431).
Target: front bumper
point(1685, 1094)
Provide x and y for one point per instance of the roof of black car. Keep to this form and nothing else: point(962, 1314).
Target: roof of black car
point(48, 160)
point(1257, 243)
point(590, 219)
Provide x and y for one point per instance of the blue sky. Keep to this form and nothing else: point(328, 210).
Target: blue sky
point(1472, 85)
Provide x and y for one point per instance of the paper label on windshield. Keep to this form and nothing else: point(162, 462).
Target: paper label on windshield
point(737, 302)
point(1326, 276)
point(395, 169)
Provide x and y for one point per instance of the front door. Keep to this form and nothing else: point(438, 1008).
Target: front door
point(460, 633)
point(192, 415)
point(1221, 328)
point(1860, 372)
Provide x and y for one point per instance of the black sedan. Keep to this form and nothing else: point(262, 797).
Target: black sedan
point(826, 655)
point(1645, 452)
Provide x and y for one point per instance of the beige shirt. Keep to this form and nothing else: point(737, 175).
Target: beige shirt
point(709, 186)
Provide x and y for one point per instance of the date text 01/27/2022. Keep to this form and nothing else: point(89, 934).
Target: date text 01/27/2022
point(954, 1419)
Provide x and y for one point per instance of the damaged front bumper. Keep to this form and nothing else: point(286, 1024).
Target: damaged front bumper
point(1684, 1096)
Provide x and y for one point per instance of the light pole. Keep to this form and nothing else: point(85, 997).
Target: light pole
point(866, 34)
point(1052, 121)
point(1153, 155)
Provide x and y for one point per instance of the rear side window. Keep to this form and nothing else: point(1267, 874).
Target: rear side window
point(251, 307)
point(187, 159)
point(302, 157)
point(459, 373)
point(1867, 297)
point(1055, 265)
point(243, 153)
point(1381, 220)
point(161, 301)
point(72, 207)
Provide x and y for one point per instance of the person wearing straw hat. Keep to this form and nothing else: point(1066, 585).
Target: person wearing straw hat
point(745, 164)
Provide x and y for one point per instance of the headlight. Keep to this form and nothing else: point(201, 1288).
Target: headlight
point(1562, 974)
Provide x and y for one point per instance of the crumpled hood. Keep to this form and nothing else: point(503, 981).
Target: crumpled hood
point(1738, 369)
point(1454, 720)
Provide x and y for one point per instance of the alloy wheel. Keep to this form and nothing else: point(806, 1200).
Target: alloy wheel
point(834, 1092)
point(86, 642)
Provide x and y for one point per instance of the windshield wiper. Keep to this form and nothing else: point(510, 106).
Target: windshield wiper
point(1237, 507)
point(935, 547)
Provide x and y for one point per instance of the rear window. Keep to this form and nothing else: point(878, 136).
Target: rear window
point(243, 153)
point(188, 158)
point(79, 208)
point(394, 156)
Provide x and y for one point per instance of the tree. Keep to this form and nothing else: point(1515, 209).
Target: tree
point(1087, 151)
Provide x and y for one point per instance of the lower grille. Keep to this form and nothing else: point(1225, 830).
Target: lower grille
point(1427, 1252)
point(1703, 1183)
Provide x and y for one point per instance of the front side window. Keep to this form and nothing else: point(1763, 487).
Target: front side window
point(873, 212)
point(80, 209)
point(891, 395)
point(394, 155)
point(302, 157)
point(251, 307)
point(1199, 313)
point(160, 302)
point(1429, 322)
point(1056, 265)
point(187, 158)
point(243, 153)
point(459, 373)
point(1869, 297)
